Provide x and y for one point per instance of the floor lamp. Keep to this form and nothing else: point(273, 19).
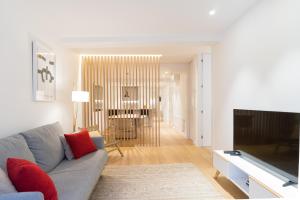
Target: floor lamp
point(78, 97)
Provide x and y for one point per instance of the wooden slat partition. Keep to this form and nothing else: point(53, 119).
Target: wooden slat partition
point(133, 116)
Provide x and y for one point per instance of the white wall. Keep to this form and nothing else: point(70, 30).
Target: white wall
point(257, 66)
point(19, 25)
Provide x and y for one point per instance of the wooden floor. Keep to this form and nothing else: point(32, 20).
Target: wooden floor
point(175, 148)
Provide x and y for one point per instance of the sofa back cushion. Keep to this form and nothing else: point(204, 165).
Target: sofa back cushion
point(14, 146)
point(5, 184)
point(68, 151)
point(45, 145)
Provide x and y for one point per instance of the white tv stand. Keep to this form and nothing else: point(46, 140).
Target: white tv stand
point(252, 180)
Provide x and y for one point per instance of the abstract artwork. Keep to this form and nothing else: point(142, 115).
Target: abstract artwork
point(43, 72)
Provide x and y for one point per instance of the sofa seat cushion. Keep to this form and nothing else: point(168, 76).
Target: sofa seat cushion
point(14, 146)
point(76, 179)
point(45, 144)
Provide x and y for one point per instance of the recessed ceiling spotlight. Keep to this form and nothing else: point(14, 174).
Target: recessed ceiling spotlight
point(212, 12)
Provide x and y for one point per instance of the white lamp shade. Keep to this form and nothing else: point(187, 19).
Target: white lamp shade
point(80, 96)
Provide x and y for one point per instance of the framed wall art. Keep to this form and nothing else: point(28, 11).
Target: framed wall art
point(43, 72)
point(129, 93)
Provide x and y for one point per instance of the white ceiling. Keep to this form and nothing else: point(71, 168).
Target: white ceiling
point(143, 26)
point(99, 19)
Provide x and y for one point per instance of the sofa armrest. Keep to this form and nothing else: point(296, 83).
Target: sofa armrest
point(22, 196)
point(99, 141)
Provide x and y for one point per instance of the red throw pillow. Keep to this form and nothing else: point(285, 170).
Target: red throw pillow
point(29, 177)
point(80, 143)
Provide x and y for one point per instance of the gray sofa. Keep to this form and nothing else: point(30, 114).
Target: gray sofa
point(74, 179)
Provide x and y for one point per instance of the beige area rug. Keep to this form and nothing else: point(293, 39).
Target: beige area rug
point(152, 182)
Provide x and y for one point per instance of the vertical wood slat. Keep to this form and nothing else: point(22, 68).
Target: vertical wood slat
point(123, 105)
point(96, 86)
point(104, 96)
point(158, 114)
point(90, 85)
point(94, 121)
point(138, 69)
point(151, 100)
point(131, 133)
point(117, 94)
point(157, 102)
point(107, 66)
point(120, 95)
point(83, 71)
point(104, 77)
point(88, 88)
point(136, 97)
point(109, 94)
point(128, 122)
point(143, 102)
point(146, 98)
point(113, 96)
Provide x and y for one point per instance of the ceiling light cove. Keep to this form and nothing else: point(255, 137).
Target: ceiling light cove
point(212, 12)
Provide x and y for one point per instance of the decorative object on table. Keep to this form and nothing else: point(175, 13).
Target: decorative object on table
point(78, 97)
point(43, 73)
point(110, 140)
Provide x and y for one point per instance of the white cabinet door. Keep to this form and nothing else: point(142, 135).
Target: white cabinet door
point(257, 191)
point(221, 164)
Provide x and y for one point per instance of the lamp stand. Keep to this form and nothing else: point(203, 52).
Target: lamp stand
point(75, 112)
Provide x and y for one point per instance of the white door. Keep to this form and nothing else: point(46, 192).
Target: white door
point(205, 110)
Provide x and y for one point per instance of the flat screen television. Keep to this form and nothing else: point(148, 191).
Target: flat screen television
point(269, 138)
